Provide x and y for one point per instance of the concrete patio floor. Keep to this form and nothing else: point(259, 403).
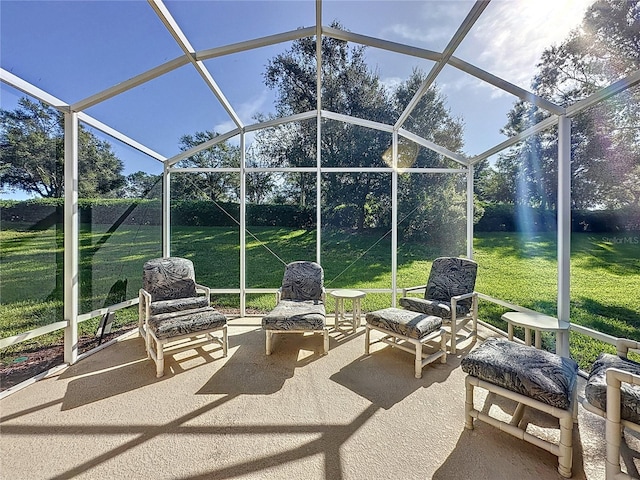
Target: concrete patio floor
point(293, 415)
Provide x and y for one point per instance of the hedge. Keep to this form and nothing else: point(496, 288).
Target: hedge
point(43, 213)
point(47, 212)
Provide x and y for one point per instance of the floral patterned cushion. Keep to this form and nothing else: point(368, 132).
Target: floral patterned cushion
point(302, 281)
point(451, 276)
point(169, 278)
point(432, 307)
point(179, 304)
point(404, 322)
point(596, 389)
point(169, 325)
point(296, 315)
point(535, 373)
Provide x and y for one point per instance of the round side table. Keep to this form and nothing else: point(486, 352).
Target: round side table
point(340, 316)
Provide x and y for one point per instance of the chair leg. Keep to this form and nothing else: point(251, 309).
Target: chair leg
point(159, 360)
point(225, 341)
point(325, 342)
point(367, 338)
point(565, 457)
point(454, 335)
point(418, 361)
point(268, 341)
point(468, 405)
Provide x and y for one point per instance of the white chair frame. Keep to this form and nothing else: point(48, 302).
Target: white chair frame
point(615, 425)
point(458, 323)
point(421, 358)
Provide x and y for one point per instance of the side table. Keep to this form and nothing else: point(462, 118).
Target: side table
point(340, 316)
point(539, 323)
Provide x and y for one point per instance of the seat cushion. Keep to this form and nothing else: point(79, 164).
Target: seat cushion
point(537, 374)
point(168, 325)
point(596, 389)
point(179, 304)
point(432, 307)
point(410, 324)
point(296, 315)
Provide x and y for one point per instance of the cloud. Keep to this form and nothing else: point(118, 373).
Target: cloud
point(246, 111)
point(418, 35)
point(510, 37)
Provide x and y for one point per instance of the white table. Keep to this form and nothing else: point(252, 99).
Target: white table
point(539, 323)
point(340, 316)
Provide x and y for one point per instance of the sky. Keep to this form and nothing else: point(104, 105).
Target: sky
point(74, 49)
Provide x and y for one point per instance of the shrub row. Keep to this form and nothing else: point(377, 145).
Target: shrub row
point(47, 212)
point(513, 218)
point(496, 217)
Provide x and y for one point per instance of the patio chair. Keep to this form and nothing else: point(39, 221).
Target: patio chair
point(449, 294)
point(613, 392)
point(299, 304)
point(171, 309)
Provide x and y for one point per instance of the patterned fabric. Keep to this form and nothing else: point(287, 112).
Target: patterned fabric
point(302, 281)
point(170, 325)
point(296, 315)
point(535, 373)
point(404, 322)
point(169, 278)
point(177, 305)
point(596, 389)
point(432, 307)
point(451, 276)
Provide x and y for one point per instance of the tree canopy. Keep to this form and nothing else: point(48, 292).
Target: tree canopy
point(32, 146)
point(349, 87)
point(605, 140)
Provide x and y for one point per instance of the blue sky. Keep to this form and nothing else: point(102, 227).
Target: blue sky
point(75, 49)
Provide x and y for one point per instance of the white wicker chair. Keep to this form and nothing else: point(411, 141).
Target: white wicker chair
point(170, 309)
point(449, 294)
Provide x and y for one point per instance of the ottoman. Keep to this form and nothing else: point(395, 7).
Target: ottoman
point(532, 377)
point(408, 331)
point(171, 326)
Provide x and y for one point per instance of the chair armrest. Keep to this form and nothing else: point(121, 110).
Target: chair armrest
point(409, 289)
point(144, 299)
point(457, 298)
point(144, 304)
point(623, 346)
point(279, 295)
point(205, 290)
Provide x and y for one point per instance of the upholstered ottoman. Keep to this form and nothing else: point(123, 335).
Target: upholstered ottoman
point(531, 377)
point(402, 327)
point(171, 326)
point(296, 316)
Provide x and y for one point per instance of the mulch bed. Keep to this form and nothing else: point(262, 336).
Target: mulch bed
point(41, 360)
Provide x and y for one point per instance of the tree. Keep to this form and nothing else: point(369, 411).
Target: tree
point(217, 186)
point(142, 185)
point(32, 146)
point(605, 143)
point(348, 87)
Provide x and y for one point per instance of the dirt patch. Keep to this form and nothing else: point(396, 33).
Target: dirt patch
point(38, 361)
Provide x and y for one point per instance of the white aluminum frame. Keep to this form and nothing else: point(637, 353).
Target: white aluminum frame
point(75, 112)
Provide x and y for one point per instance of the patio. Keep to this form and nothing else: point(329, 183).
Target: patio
point(295, 414)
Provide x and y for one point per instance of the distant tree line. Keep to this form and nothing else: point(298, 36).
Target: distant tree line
point(605, 141)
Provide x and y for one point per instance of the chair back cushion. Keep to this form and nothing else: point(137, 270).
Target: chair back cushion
point(451, 276)
point(302, 281)
point(169, 278)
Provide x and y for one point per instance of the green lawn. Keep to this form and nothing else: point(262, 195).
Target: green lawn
point(605, 273)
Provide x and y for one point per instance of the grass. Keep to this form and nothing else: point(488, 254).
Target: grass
point(605, 273)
